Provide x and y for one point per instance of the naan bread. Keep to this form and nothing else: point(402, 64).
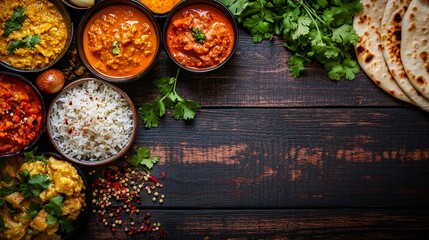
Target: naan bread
point(391, 40)
point(369, 49)
point(415, 47)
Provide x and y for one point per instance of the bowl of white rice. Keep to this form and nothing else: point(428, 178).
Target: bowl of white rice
point(92, 122)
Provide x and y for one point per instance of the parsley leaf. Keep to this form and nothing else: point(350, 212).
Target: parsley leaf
point(30, 41)
point(66, 224)
point(142, 156)
point(15, 22)
point(36, 184)
point(53, 208)
point(33, 209)
point(312, 30)
point(198, 35)
point(183, 108)
point(31, 156)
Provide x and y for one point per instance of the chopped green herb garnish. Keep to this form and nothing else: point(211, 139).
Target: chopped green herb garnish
point(53, 208)
point(15, 22)
point(142, 156)
point(198, 34)
point(30, 41)
point(312, 30)
point(66, 224)
point(182, 108)
point(36, 184)
point(33, 209)
point(32, 157)
point(116, 50)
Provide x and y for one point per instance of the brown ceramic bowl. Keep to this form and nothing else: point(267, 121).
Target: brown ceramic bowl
point(195, 25)
point(90, 128)
point(9, 145)
point(69, 29)
point(112, 50)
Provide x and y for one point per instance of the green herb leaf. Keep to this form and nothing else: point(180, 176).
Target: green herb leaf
point(152, 111)
point(116, 49)
point(54, 205)
point(36, 184)
point(142, 156)
point(66, 224)
point(198, 35)
point(15, 22)
point(33, 209)
point(30, 41)
point(24, 173)
point(51, 219)
point(30, 156)
point(2, 201)
point(313, 30)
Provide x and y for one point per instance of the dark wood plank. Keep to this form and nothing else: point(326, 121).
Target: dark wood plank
point(277, 158)
point(276, 224)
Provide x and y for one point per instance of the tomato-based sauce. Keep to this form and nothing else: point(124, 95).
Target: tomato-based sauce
point(21, 114)
point(120, 41)
point(200, 37)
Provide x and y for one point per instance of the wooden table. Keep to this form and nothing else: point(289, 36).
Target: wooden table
point(272, 157)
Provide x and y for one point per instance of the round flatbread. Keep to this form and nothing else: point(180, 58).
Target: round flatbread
point(415, 46)
point(391, 40)
point(369, 49)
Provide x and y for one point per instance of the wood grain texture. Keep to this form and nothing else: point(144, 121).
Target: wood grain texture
point(293, 158)
point(277, 224)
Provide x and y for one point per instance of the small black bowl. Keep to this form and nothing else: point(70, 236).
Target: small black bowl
point(81, 42)
point(199, 6)
point(19, 78)
point(69, 25)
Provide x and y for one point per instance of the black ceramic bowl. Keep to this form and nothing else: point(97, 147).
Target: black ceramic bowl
point(6, 116)
point(200, 36)
point(69, 28)
point(113, 53)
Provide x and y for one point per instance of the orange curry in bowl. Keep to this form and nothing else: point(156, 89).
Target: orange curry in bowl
point(120, 41)
point(200, 36)
point(21, 114)
point(160, 6)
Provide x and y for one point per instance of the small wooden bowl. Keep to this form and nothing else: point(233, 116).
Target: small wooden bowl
point(88, 162)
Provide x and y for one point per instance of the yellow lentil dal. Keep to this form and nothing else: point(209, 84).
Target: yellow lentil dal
point(43, 19)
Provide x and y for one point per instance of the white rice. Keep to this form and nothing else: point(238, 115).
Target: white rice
point(91, 121)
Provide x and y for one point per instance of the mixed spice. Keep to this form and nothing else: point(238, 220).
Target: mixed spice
point(118, 190)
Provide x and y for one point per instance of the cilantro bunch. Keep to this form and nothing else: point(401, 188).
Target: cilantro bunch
point(320, 30)
point(182, 108)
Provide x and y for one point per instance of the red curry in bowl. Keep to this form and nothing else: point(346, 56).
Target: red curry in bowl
point(119, 40)
point(200, 35)
point(21, 113)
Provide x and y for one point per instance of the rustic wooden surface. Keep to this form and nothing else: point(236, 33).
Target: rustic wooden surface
point(271, 157)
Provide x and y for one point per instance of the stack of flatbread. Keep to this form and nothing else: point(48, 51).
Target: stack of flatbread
point(393, 48)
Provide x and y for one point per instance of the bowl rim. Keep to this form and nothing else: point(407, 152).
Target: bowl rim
point(71, 5)
point(97, 162)
point(215, 4)
point(42, 103)
point(87, 17)
point(70, 31)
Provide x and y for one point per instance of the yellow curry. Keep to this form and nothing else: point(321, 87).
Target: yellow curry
point(39, 198)
point(20, 20)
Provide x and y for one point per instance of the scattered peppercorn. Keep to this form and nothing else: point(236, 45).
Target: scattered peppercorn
point(122, 186)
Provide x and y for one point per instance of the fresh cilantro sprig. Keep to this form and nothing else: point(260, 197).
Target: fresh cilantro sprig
point(53, 208)
point(35, 185)
point(142, 157)
point(33, 209)
point(198, 35)
point(313, 30)
point(31, 156)
point(15, 22)
point(30, 41)
point(182, 108)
